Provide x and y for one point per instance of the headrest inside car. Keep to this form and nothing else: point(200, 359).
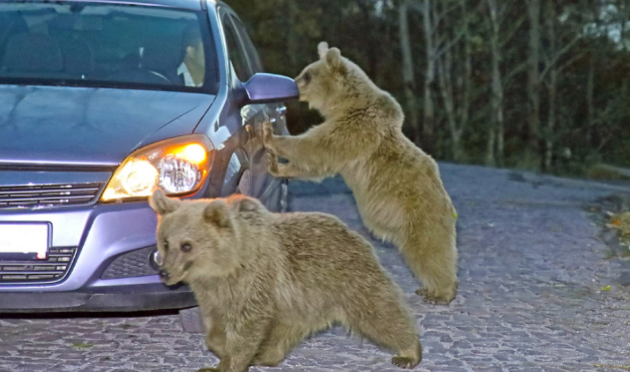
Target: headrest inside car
point(32, 52)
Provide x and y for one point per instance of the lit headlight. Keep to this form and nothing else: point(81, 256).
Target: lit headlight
point(178, 166)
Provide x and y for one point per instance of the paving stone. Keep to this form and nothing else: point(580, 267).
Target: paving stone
point(530, 273)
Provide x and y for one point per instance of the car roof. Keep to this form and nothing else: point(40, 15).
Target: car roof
point(183, 4)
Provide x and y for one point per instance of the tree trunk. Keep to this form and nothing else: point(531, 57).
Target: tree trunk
point(456, 99)
point(533, 83)
point(458, 150)
point(407, 70)
point(293, 43)
point(429, 79)
point(552, 88)
point(464, 115)
point(590, 106)
point(444, 67)
point(554, 71)
point(500, 137)
point(495, 130)
point(490, 159)
point(551, 119)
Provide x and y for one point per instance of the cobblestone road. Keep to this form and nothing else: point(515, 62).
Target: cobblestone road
point(531, 273)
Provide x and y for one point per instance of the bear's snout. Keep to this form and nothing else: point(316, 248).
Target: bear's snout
point(164, 275)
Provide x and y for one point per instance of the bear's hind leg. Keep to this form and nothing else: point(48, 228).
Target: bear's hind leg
point(389, 325)
point(437, 296)
point(278, 343)
point(433, 260)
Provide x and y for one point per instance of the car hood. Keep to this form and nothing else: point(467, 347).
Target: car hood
point(90, 126)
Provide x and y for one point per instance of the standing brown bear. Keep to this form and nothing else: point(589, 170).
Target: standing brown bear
point(397, 186)
point(265, 281)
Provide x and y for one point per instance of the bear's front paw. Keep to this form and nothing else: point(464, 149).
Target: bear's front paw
point(261, 361)
point(272, 163)
point(267, 128)
point(404, 362)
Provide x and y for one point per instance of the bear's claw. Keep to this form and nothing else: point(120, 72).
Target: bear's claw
point(404, 362)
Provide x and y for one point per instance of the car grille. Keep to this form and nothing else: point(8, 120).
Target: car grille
point(132, 264)
point(32, 196)
point(53, 269)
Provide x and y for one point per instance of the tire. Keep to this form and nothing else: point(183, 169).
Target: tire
point(191, 320)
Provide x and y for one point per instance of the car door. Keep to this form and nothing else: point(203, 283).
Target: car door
point(245, 62)
point(276, 111)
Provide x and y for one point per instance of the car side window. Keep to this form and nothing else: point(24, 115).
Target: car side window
point(250, 49)
point(236, 53)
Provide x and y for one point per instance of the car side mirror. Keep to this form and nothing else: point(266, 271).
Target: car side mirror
point(266, 88)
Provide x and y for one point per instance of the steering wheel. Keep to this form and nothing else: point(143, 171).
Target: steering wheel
point(140, 75)
point(164, 78)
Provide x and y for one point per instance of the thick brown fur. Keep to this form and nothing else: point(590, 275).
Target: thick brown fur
point(265, 281)
point(398, 188)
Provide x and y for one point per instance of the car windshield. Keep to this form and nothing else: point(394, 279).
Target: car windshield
point(106, 45)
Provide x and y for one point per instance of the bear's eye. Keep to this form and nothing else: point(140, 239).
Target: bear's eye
point(307, 77)
point(186, 247)
point(165, 244)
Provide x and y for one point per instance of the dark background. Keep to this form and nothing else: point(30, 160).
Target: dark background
point(531, 84)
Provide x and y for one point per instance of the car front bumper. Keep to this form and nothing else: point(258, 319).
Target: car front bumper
point(143, 297)
point(111, 269)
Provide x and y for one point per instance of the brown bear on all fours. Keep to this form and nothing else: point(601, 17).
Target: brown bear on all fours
point(397, 187)
point(265, 281)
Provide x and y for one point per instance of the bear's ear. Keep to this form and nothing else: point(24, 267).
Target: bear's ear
point(217, 213)
point(161, 204)
point(333, 59)
point(248, 205)
point(322, 48)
